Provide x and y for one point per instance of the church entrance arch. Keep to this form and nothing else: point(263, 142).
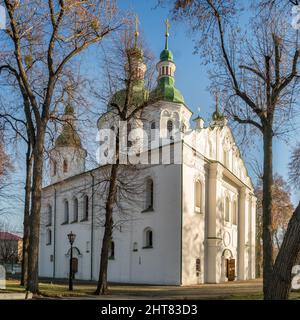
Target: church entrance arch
point(228, 265)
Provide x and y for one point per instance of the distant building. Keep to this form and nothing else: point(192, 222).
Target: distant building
point(10, 248)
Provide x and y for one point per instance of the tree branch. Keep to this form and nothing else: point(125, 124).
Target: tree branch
point(248, 121)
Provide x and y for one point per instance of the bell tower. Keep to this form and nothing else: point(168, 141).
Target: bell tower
point(67, 158)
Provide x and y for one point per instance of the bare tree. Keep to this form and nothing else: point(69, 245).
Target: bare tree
point(41, 39)
point(294, 167)
point(124, 183)
point(282, 212)
point(21, 130)
point(4, 162)
point(5, 169)
point(257, 71)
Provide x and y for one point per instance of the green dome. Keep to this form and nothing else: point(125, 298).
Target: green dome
point(166, 90)
point(217, 116)
point(140, 95)
point(69, 110)
point(166, 55)
point(136, 53)
point(68, 138)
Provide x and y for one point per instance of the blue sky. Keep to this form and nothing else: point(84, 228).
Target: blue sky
point(191, 78)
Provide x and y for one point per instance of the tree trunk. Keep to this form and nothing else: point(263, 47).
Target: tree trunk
point(35, 217)
point(286, 259)
point(267, 211)
point(258, 257)
point(26, 221)
point(102, 287)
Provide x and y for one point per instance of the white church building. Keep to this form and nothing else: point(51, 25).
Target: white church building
point(195, 219)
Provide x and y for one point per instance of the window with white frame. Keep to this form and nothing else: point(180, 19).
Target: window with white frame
point(170, 129)
point(148, 238)
point(75, 210)
point(152, 131)
point(149, 195)
point(85, 215)
point(66, 211)
point(129, 142)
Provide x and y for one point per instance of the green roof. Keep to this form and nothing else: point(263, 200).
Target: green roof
point(216, 116)
point(139, 97)
point(136, 53)
point(166, 90)
point(69, 110)
point(68, 138)
point(166, 55)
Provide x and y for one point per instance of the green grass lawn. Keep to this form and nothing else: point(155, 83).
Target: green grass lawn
point(59, 290)
point(52, 290)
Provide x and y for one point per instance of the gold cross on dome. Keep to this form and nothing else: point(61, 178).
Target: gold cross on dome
point(136, 24)
point(136, 34)
point(167, 26)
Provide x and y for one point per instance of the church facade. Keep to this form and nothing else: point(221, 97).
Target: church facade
point(193, 220)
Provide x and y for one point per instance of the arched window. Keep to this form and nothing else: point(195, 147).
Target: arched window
point(75, 210)
point(227, 209)
point(166, 113)
point(135, 246)
point(66, 211)
point(198, 196)
point(65, 165)
point(149, 194)
point(234, 213)
point(49, 215)
point(129, 142)
point(170, 129)
point(111, 251)
point(54, 168)
point(152, 130)
point(48, 237)
point(85, 208)
point(148, 238)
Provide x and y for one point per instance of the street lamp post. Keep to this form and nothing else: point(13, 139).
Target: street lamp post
point(71, 237)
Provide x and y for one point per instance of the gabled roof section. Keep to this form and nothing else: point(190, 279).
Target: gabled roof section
point(9, 236)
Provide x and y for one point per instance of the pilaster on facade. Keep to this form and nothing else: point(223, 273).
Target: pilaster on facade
point(243, 214)
point(214, 222)
point(252, 238)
